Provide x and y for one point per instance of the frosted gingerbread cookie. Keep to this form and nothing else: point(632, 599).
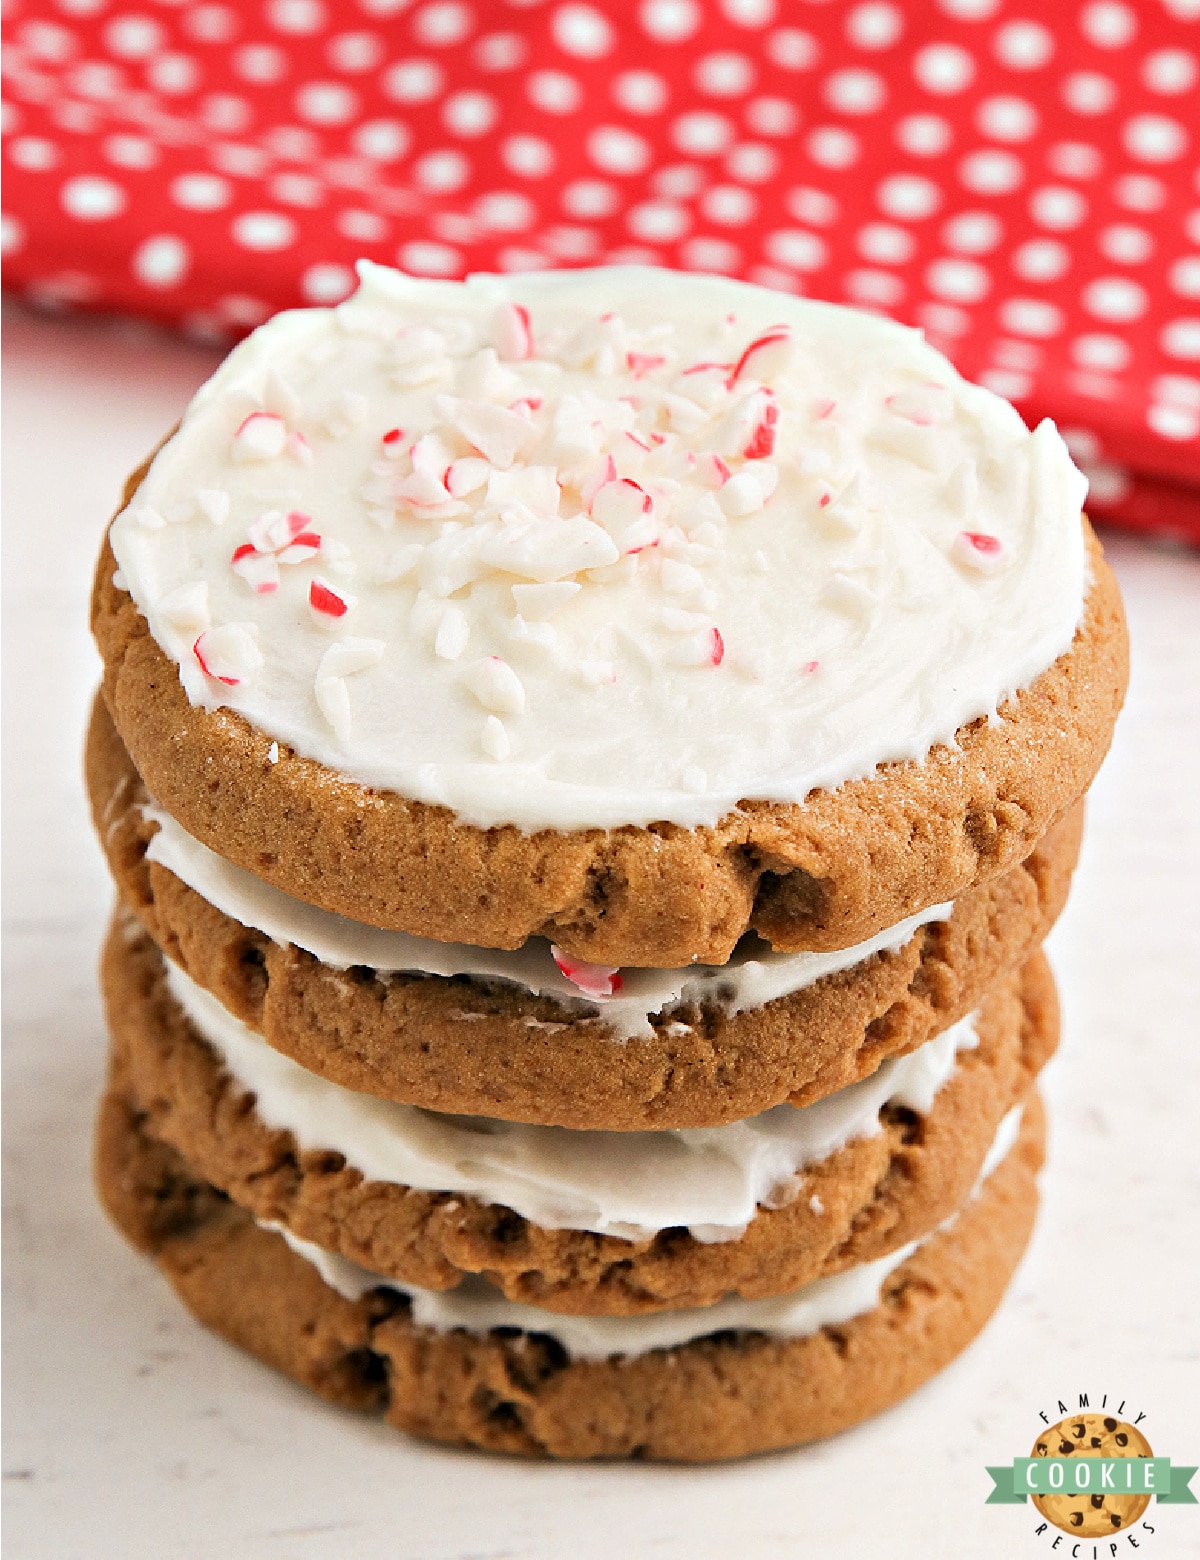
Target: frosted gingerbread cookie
point(472, 1368)
point(532, 1035)
point(594, 1223)
point(629, 609)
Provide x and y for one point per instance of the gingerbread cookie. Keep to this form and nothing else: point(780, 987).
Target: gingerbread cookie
point(493, 1047)
point(1096, 1514)
point(723, 1395)
point(602, 1225)
point(566, 694)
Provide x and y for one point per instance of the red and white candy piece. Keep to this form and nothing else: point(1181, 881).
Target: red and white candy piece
point(498, 434)
point(512, 332)
point(598, 981)
point(496, 686)
point(978, 550)
point(712, 470)
point(228, 654)
point(259, 570)
point(767, 354)
point(643, 363)
point(604, 471)
point(706, 648)
point(186, 607)
point(327, 601)
point(926, 405)
point(262, 436)
point(626, 511)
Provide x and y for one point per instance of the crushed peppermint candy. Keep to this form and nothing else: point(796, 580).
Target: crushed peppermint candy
point(496, 686)
point(229, 654)
point(262, 436)
point(326, 601)
point(598, 981)
point(978, 550)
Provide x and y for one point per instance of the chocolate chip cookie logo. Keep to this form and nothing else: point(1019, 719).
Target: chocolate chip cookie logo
point(1092, 1475)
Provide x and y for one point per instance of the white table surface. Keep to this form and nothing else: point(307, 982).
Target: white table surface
point(132, 1433)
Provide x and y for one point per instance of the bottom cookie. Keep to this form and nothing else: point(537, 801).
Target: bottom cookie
point(723, 1395)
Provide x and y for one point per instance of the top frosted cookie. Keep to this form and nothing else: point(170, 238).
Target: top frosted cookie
point(595, 549)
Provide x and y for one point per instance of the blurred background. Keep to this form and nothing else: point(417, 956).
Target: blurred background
point(1019, 180)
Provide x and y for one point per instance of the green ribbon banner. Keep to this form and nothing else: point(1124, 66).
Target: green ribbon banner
point(1091, 1476)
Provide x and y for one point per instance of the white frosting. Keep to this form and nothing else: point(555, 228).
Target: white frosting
point(477, 1307)
point(592, 582)
point(745, 982)
point(710, 1180)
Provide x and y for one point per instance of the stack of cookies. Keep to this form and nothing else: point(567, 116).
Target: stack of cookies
point(588, 761)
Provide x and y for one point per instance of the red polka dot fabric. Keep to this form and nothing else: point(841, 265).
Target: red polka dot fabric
point(1019, 180)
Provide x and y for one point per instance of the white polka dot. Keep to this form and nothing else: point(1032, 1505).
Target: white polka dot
point(361, 227)
point(12, 233)
point(225, 113)
point(658, 221)
point(1154, 138)
point(752, 162)
point(772, 116)
point(1088, 92)
point(443, 24)
point(583, 31)
point(133, 37)
point(792, 49)
point(554, 92)
point(11, 118)
point(798, 250)
point(263, 231)
point(1074, 160)
point(1041, 260)
point(879, 289)
point(1184, 277)
point(701, 134)
point(728, 205)
point(92, 199)
point(506, 211)
point(162, 261)
point(33, 153)
point(1019, 354)
point(678, 181)
point(640, 92)
point(260, 62)
point(1191, 226)
point(96, 80)
point(61, 293)
point(943, 68)
point(201, 191)
point(908, 196)
point(174, 74)
point(876, 25)
point(455, 227)
point(1023, 45)
point(1006, 119)
point(633, 254)
point(1169, 71)
point(1124, 244)
point(969, 10)
point(855, 91)
point(711, 254)
point(1177, 389)
point(470, 114)
point(327, 284)
point(382, 140)
point(590, 198)
point(924, 135)
point(944, 319)
point(1082, 443)
point(1108, 24)
point(1173, 422)
point(884, 244)
point(515, 258)
point(296, 16)
point(293, 143)
point(241, 309)
point(413, 81)
point(1031, 317)
point(1011, 383)
point(527, 155)
point(1181, 339)
point(354, 53)
point(425, 258)
point(1108, 483)
point(297, 189)
point(812, 206)
point(48, 41)
point(1057, 207)
point(501, 51)
point(1140, 192)
point(1115, 298)
point(442, 171)
point(130, 151)
point(669, 21)
point(991, 173)
point(618, 150)
point(748, 13)
point(212, 23)
point(1100, 351)
point(832, 147)
point(958, 281)
point(572, 243)
point(724, 75)
point(772, 276)
point(972, 233)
